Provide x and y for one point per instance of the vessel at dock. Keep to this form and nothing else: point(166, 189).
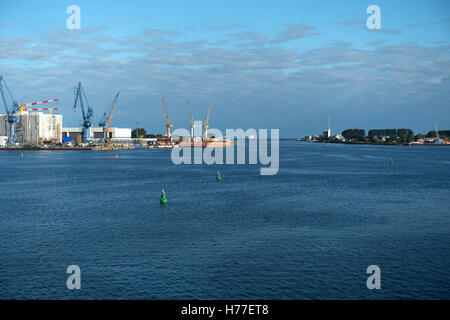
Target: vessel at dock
point(213, 143)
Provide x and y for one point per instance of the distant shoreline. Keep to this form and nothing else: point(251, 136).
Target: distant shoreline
point(45, 149)
point(379, 143)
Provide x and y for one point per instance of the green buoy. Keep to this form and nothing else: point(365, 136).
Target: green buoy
point(218, 178)
point(21, 155)
point(163, 197)
point(391, 162)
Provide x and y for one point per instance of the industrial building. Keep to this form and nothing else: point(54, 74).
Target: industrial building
point(34, 127)
point(118, 134)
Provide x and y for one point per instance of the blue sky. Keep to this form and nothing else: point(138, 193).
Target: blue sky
point(261, 64)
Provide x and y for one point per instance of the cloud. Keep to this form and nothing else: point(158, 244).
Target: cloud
point(387, 31)
point(362, 23)
point(222, 24)
point(250, 36)
point(251, 39)
point(352, 22)
point(259, 83)
point(288, 33)
point(438, 22)
point(377, 43)
point(292, 32)
point(153, 33)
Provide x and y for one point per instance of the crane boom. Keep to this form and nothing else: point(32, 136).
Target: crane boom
point(40, 109)
point(206, 126)
point(168, 124)
point(191, 120)
point(26, 106)
point(111, 113)
point(166, 114)
point(106, 120)
point(207, 117)
point(188, 109)
point(87, 114)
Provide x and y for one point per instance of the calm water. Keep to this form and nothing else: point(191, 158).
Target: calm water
point(309, 232)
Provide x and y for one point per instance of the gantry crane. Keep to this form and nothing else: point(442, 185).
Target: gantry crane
point(206, 125)
point(105, 122)
point(168, 124)
point(87, 115)
point(191, 120)
point(11, 111)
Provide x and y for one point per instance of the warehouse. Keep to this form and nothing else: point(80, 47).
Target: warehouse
point(118, 134)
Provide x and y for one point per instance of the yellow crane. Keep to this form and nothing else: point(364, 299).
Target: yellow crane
point(168, 124)
point(206, 125)
point(191, 120)
point(105, 122)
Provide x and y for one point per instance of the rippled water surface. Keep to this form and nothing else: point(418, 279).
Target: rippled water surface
point(309, 232)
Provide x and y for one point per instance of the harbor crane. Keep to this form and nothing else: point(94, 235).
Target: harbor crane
point(105, 122)
point(206, 125)
point(11, 111)
point(168, 124)
point(87, 114)
point(191, 120)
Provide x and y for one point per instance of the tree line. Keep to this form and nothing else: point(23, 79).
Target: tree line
point(390, 132)
point(380, 135)
point(354, 134)
point(142, 133)
point(442, 134)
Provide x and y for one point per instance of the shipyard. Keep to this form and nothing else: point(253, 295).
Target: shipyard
point(39, 126)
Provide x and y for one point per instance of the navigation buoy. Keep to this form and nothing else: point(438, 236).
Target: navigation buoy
point(163, 199)
point(218, 178)
point(21, 155)
point(391, 162)
point(116, 157)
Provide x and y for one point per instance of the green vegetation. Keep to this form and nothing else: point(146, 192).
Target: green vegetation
point(143, 133)
point(389, 136)
point(393, 136)
point(419, 136)
point(358, 134)
point(443, 134)
point(159, 136)
point(390, 132)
